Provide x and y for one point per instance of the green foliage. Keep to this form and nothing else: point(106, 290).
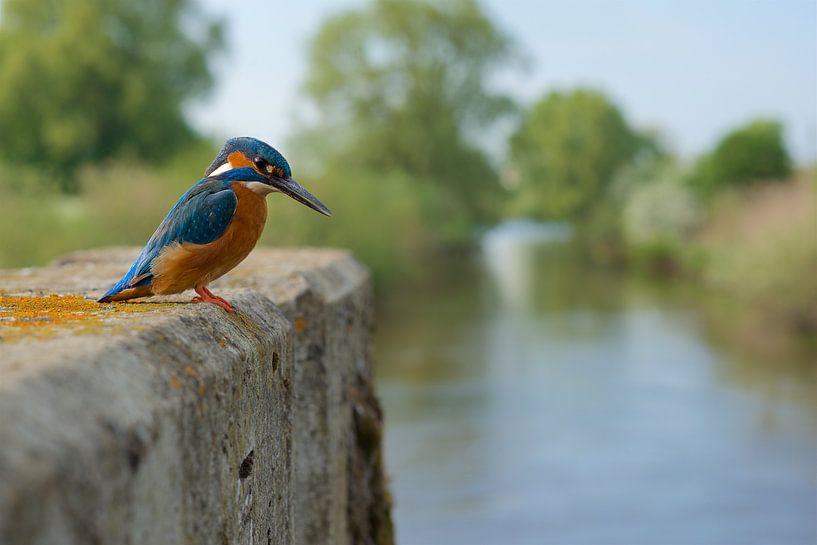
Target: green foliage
point(402, 87)
point(601, 231)
point(378, 217)
point(567, 151)
point(84, 81)
point(750, 153)
point(39, 224)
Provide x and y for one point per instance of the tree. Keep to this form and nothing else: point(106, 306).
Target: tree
point(403, 85)
point(752, 152)
point(82, 81)
point(567, 151)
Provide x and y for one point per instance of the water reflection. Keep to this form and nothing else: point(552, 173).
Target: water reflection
point(509, 251)
point(571, 406)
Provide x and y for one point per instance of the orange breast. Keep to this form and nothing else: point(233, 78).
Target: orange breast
point(184, 266)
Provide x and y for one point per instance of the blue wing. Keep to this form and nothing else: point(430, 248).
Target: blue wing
point(202, 215)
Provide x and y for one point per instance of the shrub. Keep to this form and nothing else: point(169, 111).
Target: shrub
point(751, 153)
point(658, 219)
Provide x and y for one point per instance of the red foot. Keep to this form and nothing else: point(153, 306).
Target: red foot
point(207, 296)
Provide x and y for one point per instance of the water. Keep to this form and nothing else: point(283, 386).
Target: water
point(532, 400)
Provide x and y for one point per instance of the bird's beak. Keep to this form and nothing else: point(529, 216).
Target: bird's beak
point(292, 188)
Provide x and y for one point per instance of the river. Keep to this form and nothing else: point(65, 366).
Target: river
point(530, 399)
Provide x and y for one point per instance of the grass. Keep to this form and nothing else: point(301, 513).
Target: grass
point(378, 217)
point(760, 245)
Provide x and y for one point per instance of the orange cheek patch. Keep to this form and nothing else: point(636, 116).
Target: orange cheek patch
point(239, 160)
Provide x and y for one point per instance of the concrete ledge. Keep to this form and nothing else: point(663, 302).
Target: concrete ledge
point(168, 422)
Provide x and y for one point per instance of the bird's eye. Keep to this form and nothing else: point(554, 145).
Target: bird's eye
point(261, 164)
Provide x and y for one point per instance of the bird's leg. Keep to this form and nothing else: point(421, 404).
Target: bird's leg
point(207, 296)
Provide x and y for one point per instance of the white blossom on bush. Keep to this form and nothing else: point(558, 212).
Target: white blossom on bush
point(661, 211)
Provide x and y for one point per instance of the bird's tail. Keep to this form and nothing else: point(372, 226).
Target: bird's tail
point(111, 293)
point(130, 286)
point(116, 293)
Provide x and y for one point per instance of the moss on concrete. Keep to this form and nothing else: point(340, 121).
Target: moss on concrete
point(26, 315)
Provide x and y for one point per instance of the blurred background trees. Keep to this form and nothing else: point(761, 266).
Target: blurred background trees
point(87, 81)
point(402, 88)
point(567, 150)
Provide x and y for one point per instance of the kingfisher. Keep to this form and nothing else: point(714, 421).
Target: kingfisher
point(214, 225)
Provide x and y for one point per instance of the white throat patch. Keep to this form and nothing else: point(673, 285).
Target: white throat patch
point(259, 188)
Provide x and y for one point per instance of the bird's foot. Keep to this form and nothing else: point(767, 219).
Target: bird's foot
point(207, 296)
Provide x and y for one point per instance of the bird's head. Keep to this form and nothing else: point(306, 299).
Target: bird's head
point(265, 170)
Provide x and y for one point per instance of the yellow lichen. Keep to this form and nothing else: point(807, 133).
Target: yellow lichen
point(192, 373)
point(300, 325)
point(175, 383)
point(22, 316)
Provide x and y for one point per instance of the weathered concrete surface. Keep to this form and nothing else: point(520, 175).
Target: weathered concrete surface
point(178, 423)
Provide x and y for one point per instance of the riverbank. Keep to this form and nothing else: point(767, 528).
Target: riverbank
point(760, 245)
point(754, 245)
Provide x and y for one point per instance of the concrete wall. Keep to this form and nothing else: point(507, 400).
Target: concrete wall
point(168, 422)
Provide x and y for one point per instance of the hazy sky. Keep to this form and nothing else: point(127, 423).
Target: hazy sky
point(691, 69)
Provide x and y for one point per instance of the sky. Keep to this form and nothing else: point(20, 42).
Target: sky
point(691, 70)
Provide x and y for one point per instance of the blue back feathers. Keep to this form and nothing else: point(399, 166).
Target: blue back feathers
point(250, 147)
